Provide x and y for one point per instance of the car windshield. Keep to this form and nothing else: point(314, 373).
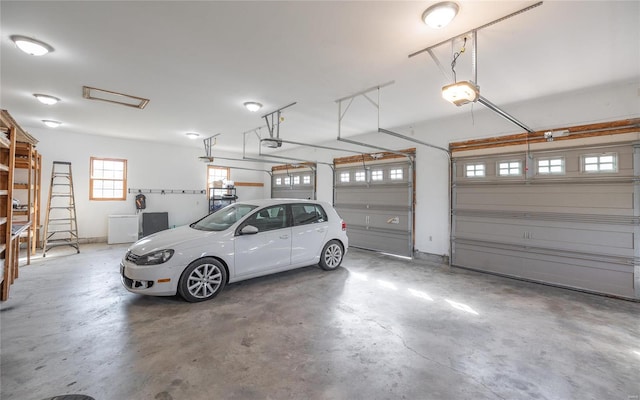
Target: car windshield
point(223, 218)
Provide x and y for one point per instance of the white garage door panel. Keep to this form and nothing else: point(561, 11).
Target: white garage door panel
point(378, 212)
point(574, 229)
point(583, 199)
point(605, 239)
point(385, 241)
point(602, 277)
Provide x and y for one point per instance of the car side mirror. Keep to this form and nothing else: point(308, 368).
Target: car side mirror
point(249, 230)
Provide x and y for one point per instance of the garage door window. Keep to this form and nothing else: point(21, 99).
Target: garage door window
point(360, 177)
point(551, 166)
point(376, 175)
point(287, 180)
point(278, 181)
point(296, 180)
point(474, 170)
point(604, 163)
point(344, 177)
point(306, 180)
point(395, 174)
point(510, 168)
point(108, 179)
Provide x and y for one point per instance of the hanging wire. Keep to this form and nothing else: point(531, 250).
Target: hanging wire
point(455, 59)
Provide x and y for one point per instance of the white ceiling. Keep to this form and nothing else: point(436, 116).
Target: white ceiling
point(199, 61)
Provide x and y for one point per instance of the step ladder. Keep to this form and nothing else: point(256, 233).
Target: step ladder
point(61, 226)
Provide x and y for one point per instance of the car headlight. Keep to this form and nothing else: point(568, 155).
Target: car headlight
point(157, 257)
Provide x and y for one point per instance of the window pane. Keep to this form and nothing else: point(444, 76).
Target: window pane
point(360, 176)
point(344, 177)
point(376, 175)
point(306, 179)
point(278, 181)
point(296, 180)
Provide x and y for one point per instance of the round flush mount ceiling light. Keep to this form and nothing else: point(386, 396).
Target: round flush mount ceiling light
point(46, 99)
point(192, 135)
point(51, 123)
point(440, 14)
point(31, 46)
point(252, 106)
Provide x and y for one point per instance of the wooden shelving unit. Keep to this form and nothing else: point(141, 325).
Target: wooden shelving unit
point(28, 170)
point(13, 226)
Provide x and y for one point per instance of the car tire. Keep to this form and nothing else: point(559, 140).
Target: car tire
point(202, 280)
point(331, 256)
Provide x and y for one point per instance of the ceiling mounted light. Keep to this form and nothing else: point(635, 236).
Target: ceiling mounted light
point(31, 46)
point(51, 123)
point(192, 135)
point(252, 106)
point(439, 15)
point(460, 93)
point(46, 99)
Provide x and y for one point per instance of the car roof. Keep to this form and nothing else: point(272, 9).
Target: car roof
point(269, 202)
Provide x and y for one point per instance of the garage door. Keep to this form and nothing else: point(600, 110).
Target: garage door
point(293, 182)
point(375, 198)
point(568, 217)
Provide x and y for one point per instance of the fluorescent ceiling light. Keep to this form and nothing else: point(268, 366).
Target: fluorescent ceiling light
point(51, 123)
point(31, 46)
point(439, 15)
point(461, 93)
point(46, 99)
point(192, 135)
point(252, 106)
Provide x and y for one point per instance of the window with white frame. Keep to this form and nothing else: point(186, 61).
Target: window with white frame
point(395, 174)
point(296, 180)
point(287, 180)
point(474, 170)
point(107, 179)
point(360, 176)
point(278, 181)
point(603, 163)
point(551, 166)
point(306, 180)
point(376, 175)
point(344, 177)
point(510, 168)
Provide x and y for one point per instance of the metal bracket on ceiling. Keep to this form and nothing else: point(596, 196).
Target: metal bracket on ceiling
point(376, 104)
point(242, 168)
point(274, 119)
point(362, 93)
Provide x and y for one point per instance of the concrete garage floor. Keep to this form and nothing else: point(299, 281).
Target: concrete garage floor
point(378, 328)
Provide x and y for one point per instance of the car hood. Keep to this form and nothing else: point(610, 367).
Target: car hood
point(170, 239)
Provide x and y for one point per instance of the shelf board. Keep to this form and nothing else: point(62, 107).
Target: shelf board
point(4, 168)
point(5, 142)
point(21, 186)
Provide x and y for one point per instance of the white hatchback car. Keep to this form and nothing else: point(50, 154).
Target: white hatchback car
point(241, 241)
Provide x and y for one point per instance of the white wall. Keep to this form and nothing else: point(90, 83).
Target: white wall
point(149, 166)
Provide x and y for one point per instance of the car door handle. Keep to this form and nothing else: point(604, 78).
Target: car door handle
point(320, 230)
point(284, 237)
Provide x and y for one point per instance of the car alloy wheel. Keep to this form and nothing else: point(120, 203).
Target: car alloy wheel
point(331, 257)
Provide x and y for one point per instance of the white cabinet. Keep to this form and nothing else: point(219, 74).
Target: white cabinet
point(122, 229)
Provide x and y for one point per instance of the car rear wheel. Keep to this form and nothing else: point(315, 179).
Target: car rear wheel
point(202, 280)
point(331, 256)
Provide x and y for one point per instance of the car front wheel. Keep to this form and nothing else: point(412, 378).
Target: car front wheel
point(202, 280)
point(331, 256)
